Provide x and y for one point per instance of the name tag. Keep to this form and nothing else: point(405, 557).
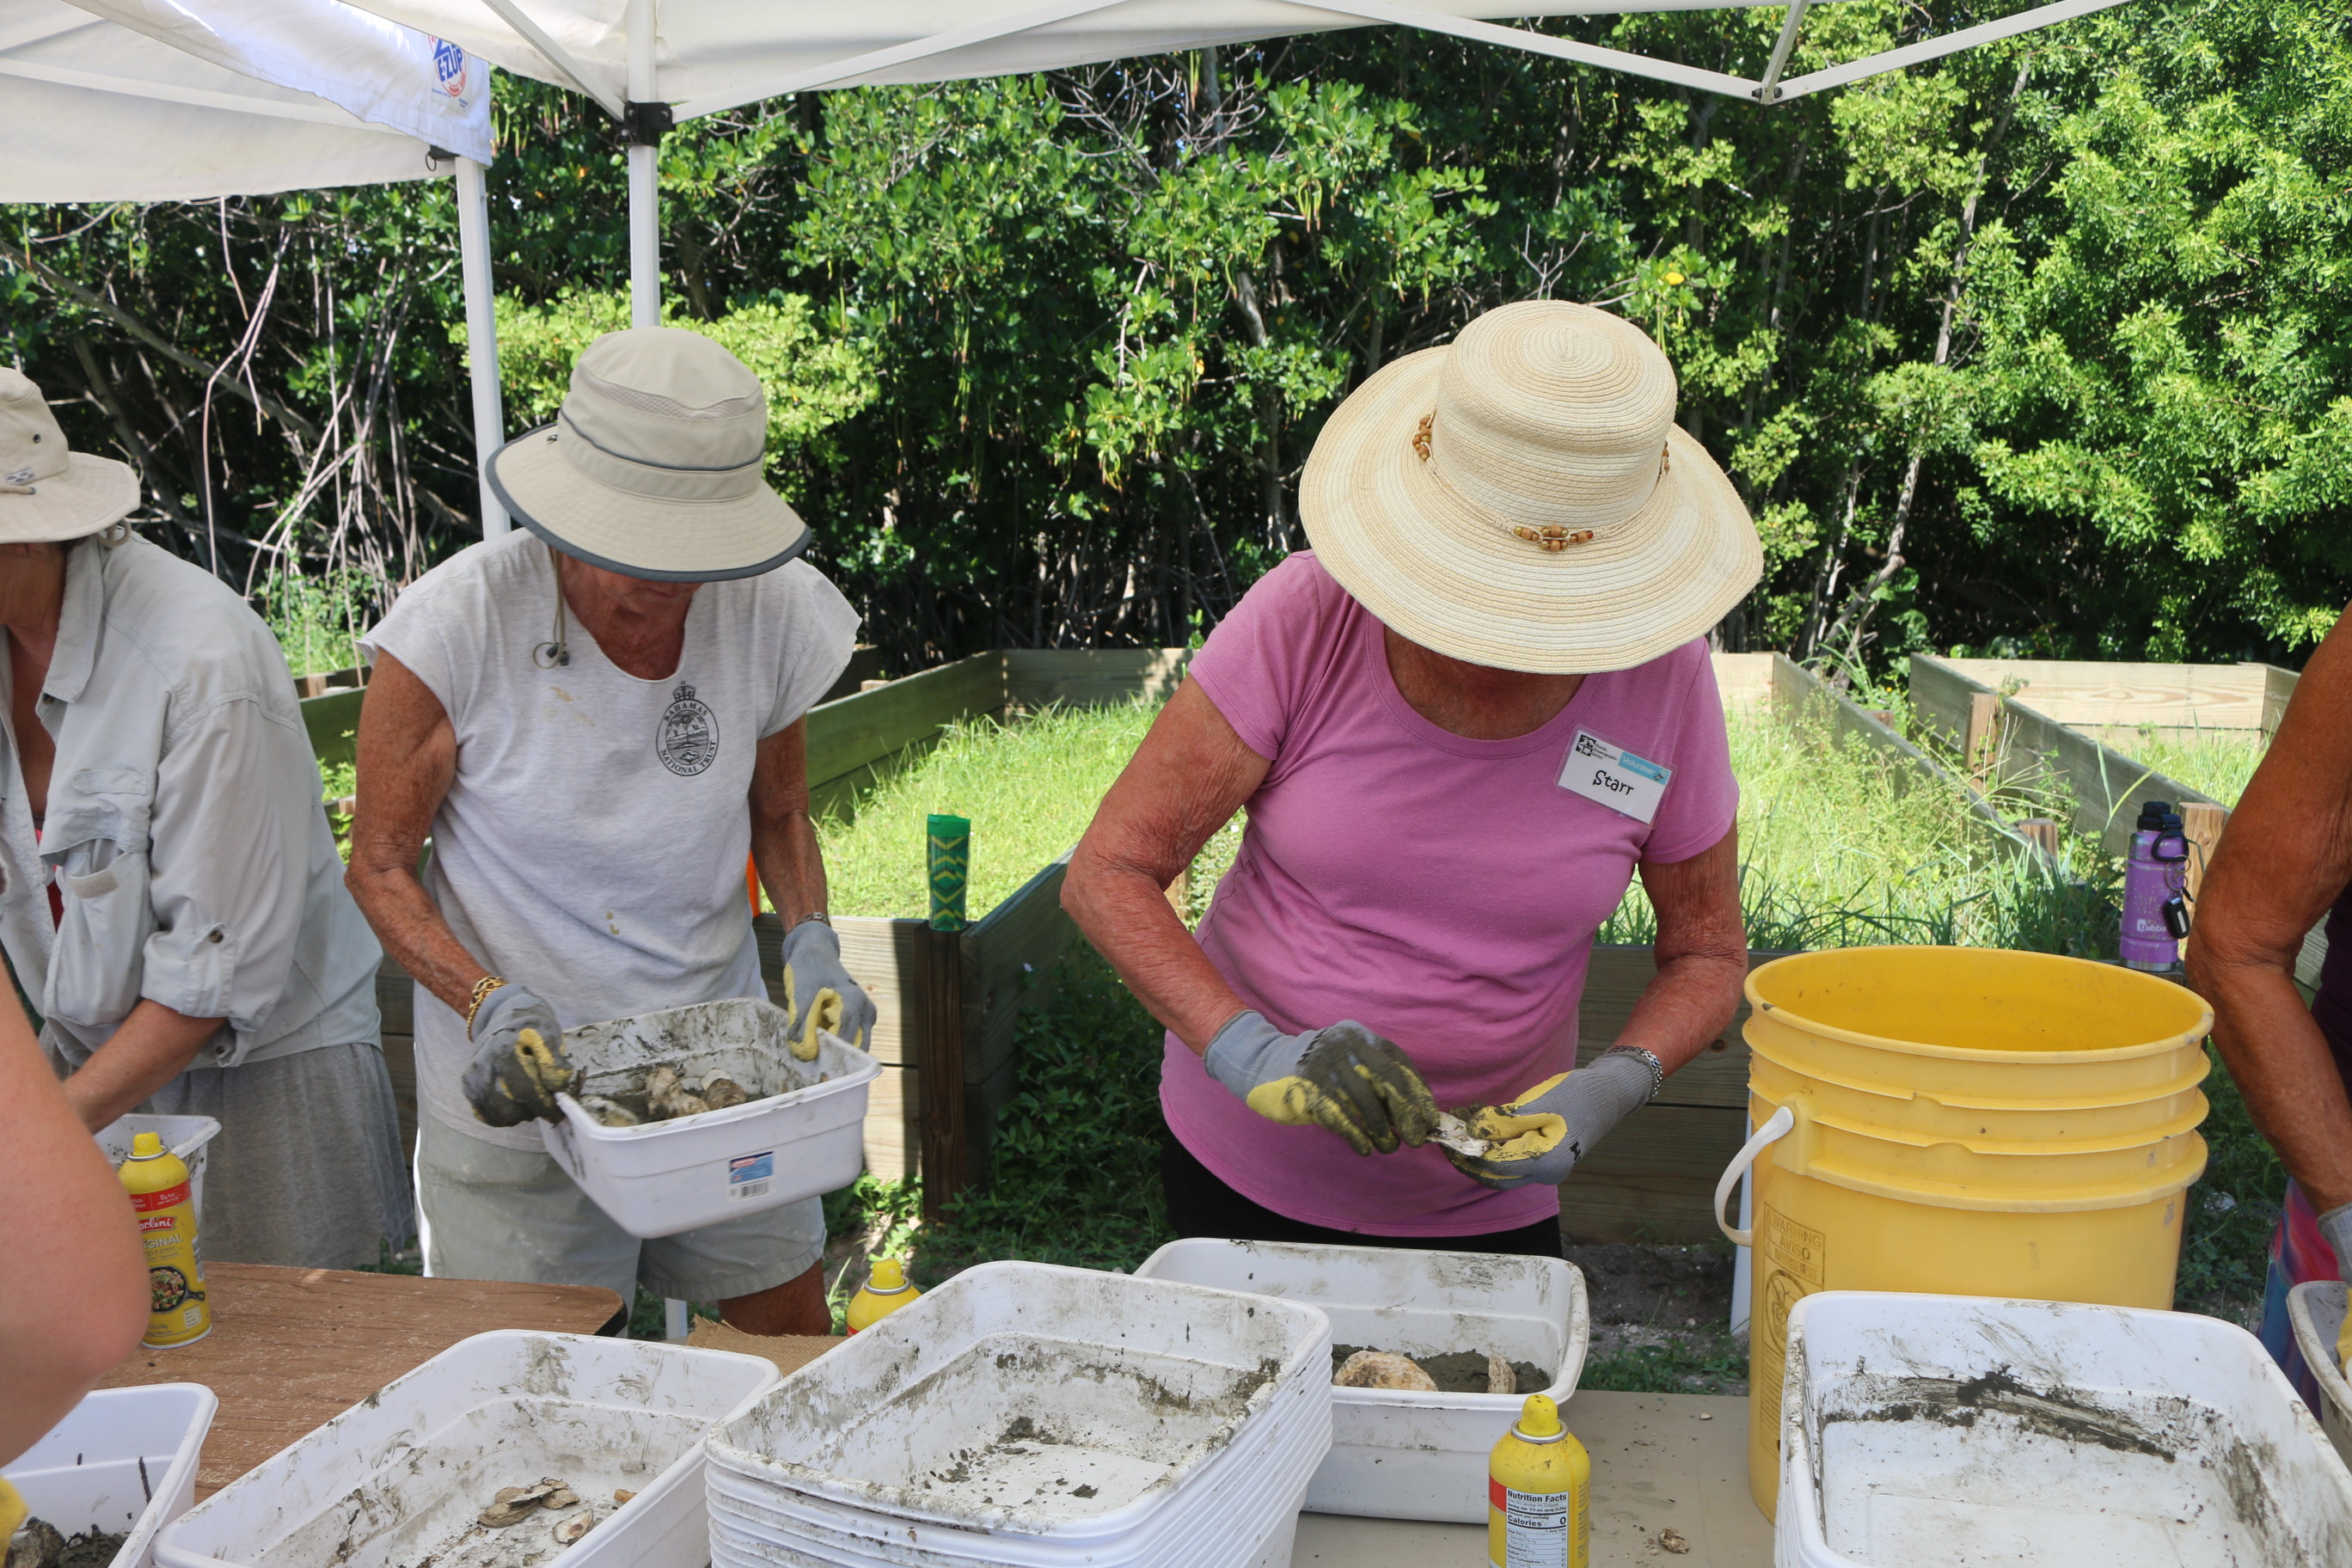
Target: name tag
point(1615, 777)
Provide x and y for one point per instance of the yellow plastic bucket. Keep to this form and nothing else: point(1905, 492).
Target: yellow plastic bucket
point(1965, 1121)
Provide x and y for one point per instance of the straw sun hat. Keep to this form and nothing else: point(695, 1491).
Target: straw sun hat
point(654, 466)
point(1522, 498)
point(48, 491)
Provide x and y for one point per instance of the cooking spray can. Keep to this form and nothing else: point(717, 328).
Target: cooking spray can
point(157, 1180)
point(1539, 1494)
point(885, 1291)
point(2155, 916)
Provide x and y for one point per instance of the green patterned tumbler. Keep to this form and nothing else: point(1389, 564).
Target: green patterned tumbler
point(950, 867)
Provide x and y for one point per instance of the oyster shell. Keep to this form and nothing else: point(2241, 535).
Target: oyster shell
point(1383, 1369)
point(719, 1093)
point(609, 1112)
point(1500, 1378)
point(667, 1097)
point(568, 1530)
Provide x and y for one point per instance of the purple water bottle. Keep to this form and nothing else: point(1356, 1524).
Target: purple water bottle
point(2154, 915)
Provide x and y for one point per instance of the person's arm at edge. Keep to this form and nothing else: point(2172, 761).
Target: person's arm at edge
point(2284, 855)
point(1701, 953)
point(1185, 781)
point(407, 759)
point(150, 1048)
point(784, 835)
point(73, 1291)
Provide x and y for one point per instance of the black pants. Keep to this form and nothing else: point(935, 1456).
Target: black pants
point(1200, 1204)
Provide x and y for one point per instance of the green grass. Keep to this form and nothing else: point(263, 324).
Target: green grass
point(2214, 763)
point(1677, 1367)
point(1030, 787)
point(1842, 845)
point(317, 619)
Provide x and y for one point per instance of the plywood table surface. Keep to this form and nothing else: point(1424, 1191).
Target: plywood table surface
point(1660, 1461)
point(292, 1348)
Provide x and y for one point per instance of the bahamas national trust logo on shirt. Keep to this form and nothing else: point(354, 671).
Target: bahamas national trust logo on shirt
point(689, 737)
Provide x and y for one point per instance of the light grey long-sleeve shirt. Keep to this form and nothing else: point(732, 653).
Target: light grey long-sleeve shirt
point(183, 829)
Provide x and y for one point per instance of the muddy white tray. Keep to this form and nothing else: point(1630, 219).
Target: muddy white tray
point(1023, 1413)
point(803, 1132)
point(2316, 1311)
point(183, 1135)
point(399, 1479)
point(1925, 1431)
point(1399, 1455)
point(124, 1462)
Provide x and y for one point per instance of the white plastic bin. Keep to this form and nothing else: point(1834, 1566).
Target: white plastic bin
point(2316, 1311)
point(400, 1477)
point(1399, 1455)
point(183, 1135)
point(123, 1459)
point(1029, 1415)
point(1943, 1431)
point(803, 1135)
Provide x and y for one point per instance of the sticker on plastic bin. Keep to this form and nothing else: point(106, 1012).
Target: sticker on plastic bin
point(751, 1175)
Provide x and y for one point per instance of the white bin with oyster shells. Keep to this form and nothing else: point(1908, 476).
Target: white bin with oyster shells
point(642, 1136)
point(1402, 1446)
point(510, 1449)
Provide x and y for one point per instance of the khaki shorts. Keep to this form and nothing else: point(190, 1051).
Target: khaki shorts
point(494, 1213)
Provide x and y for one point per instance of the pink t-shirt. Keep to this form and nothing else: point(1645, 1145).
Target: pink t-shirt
point(1442, 890)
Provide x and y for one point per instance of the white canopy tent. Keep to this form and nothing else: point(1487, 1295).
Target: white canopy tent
point(652, 62)
point(142, 100)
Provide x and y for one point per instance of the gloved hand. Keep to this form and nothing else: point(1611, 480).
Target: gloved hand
point(1542, 1135)
point(2336, 1225)
point(819, 994)
point(519, 1062)
point(1345, 1077)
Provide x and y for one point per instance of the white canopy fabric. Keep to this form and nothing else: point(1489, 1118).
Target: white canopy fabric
point(149, 100)
point(713, 55)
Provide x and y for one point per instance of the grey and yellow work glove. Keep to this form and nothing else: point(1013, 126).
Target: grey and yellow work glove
point(1542, 1135)
point(519, 1062)
point(819, 994)
point(1345, 1077)
point(2336, 1225)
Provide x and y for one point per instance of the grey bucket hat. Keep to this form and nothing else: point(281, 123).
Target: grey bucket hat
point(654, 468)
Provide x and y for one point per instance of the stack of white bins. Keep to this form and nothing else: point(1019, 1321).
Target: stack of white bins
point(1030, 1416)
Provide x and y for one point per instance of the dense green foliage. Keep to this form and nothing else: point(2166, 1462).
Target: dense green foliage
point(2039, 348)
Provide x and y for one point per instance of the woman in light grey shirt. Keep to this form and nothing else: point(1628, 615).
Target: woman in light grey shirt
point(172, 902)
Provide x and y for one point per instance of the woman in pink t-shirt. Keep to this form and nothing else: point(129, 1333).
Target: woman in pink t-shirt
point(1459, 725)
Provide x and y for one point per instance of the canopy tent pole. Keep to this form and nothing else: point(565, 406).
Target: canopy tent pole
point(645, 123)
point(482, 334)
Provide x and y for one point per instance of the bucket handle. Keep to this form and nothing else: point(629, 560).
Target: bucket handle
point(1771, 1132)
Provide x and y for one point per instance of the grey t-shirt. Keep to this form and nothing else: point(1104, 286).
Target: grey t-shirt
point(592, 846)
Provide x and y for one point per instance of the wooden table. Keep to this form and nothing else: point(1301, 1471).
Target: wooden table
point(292, 1348)
point(1660, 1461)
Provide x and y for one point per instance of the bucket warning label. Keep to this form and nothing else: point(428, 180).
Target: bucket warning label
point(751, 1175)
point(1790, 1264)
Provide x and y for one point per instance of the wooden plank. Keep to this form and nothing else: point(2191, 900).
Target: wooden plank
point(2278, 687)
point(892, 1142)
point(1744, 679)
point(856, 732)
point(1615, 982)
point(1980, 751)
point(331, 721)
point(291, 1349)
point(884, 956)
point(1652, 1179)
point(939, 1062)
point(2106, 784)
point(2112, 693)
point(1007, 958)
point(1082, 678)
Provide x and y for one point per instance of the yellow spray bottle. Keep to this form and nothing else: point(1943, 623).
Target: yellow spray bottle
point(178, 1314)
point(885, 1291)
point(1539, 1494)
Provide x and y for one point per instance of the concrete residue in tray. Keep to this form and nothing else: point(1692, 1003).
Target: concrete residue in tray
point(1033, 1431)
point(1964, 1467)
point(664, 1066)
point(1458, 1371)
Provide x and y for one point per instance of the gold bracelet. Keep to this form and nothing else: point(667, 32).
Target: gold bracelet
point(482, 989)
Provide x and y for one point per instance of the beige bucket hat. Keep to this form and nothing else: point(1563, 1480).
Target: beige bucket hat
point(654, 466)
point(1522, 498)
point(48, 491)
